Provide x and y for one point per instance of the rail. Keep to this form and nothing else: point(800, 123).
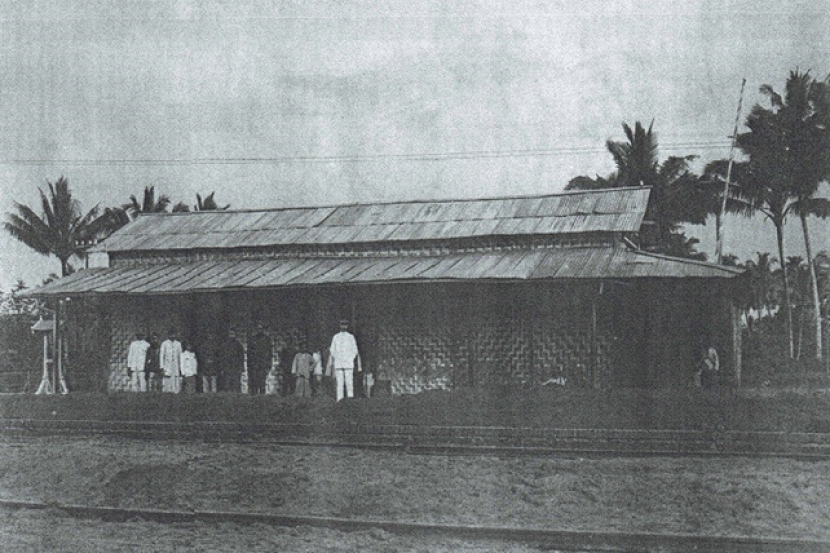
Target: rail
point(448, 439)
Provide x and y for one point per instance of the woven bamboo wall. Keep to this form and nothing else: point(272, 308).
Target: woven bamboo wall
point(416, 337)
point(447, 337)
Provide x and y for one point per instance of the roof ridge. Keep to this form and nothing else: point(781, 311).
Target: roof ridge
point(399, 202)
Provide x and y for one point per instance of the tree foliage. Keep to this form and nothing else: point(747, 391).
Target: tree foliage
point(207, 204)
point(61, 229)
point(677, 195)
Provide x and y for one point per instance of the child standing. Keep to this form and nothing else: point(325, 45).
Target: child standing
point(189, 368)
point(302, 368)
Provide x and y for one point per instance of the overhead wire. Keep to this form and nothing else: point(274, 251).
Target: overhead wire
point(359, 158)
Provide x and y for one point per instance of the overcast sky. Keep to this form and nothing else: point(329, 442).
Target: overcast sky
point(244, 98)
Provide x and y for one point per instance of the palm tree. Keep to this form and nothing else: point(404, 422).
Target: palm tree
point(677, 194)
point(62, 230)
point(757, 191)
point(149, 203)
point(117, 217)
point(762, 270)
point(208, 204)
point(789, 147)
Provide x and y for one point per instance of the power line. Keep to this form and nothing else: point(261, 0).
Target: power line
point(360, 158)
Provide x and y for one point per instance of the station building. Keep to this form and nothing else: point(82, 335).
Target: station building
point(443, 294)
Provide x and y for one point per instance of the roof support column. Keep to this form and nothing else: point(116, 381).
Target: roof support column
point(594, 365)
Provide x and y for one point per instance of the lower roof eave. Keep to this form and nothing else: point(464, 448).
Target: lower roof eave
point(559, 264)
point(232, 289)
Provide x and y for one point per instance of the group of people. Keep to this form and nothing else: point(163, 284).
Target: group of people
point(173, 366)
point(168, 366)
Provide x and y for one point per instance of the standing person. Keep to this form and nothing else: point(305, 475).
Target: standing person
point(189, 369)
point(260, 360)
point(152, 367)
point(136, 360)
point(285, 374)
point(317, 383)
point(170, 355)
point(343, 357)
point(302, 368)
point(231, 363)
point(711, 367)
point(208, 366)
point(368, 383)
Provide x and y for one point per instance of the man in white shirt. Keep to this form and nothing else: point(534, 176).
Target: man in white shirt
point(189, 367)
point(136, 359)
point(170, 361)
point(343, 357)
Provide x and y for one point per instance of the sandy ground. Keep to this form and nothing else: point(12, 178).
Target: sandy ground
point(751, 497)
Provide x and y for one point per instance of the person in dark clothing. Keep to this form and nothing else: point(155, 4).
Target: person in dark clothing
point(287, 382)
point(152, 367)
point(209, 365)
point(302, 368)
point(260, 358)
point(231, 364)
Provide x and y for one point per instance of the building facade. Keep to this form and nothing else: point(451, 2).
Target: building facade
point(506, 292)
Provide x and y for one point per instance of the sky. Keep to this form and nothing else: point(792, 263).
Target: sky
point(282, 103)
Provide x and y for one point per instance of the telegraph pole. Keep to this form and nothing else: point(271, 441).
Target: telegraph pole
point(720, 232)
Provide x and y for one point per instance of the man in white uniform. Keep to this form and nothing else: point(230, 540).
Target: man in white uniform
point(136, 359)
point(343, 357)
point(170, 360)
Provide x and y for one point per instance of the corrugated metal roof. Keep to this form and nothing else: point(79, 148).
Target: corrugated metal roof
point(613, 210)
point(558, 263)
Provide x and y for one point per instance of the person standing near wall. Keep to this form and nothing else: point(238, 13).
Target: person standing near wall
point(317, 383)
point(286, 376)
point(152, 367)
point(136, 360)
point(189, 368)
point(231, 364)
point(260, 360)
point(170, 355)
point(343, 358)
point(208, 365)
point(301, 368)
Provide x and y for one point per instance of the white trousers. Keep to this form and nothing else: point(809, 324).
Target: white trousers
point(172, 384)
point(209, 384)
point(139, 383)
point(344, 376)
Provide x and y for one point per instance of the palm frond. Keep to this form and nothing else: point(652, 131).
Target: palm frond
point(775, 99)
point(817, 207)
point(25, 233)
point(588, 183)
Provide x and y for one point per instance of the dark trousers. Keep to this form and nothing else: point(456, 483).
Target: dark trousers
point(256, 382)
point(229, 382)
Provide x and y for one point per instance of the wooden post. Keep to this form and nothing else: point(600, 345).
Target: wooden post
point(45, 386)
point(736, 343)
point(55, 351)
point(594, 364)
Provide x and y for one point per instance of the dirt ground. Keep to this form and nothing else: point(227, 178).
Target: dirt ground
point(728, 496)
point(51, 531)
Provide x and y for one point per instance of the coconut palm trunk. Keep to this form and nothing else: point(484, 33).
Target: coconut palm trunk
point(814, 283)
point(779, 234)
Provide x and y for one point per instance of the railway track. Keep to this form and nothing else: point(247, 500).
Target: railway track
point(447, 439)
point(545, 538)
